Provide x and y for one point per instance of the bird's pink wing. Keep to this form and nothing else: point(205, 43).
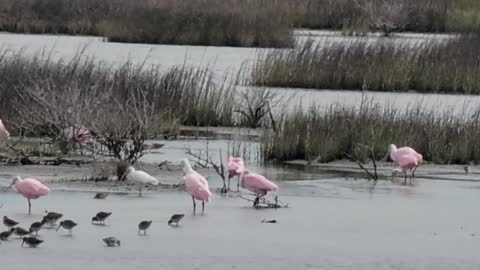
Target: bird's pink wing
point(197, 186)
point(4, 134)
point(31, 188)
point(408, 161)
point(258, 183)
point(403, 151)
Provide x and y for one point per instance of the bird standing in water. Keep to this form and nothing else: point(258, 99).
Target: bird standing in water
point(52, 218)
point(67, 225)
point(6, 234)
point(196, 185)
point(29, 188)
point(111, 241)
point(101, 217)
point(256, 183)
point(140, 178)
point(143, 226)
point(397, 153)
point(37, 226)
point(9, 222)
point(235, 168)
point(175, 219)
point(31, 241)
point(19, 231)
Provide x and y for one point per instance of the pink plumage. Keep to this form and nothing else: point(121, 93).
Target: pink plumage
point(196, 185)
point(30, 188)
point(4, 134)
point(79, 135)
point(408, 161)
point(235, 166)
point(396, 153)
point(257, 183)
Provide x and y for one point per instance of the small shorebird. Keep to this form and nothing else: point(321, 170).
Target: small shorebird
point(6, 234)
point(37, 226)
point(466, 169)
point(52, 218)
point(175, 219)
point(9, 222)
point(111, 241)
point(269, 221)
point(67, 225)
point(100, 217)
point(143, 226)
point(101, 195)
point(31, 241)
point(19, 231)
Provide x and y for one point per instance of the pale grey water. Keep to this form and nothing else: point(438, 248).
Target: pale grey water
point(330, 224)
point(225, 61)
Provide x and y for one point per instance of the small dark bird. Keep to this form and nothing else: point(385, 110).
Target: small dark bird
point(101, 217)
point(31, 241)
point(37, 226)
point(466, 169)
point(101, 195)
point(67, 225)
point(52, 218)
point(175, 219)
point(269, 221)
point(9, 222)
point(143, 226)
point(6, 234)
point(19, 231)
point(111, 241)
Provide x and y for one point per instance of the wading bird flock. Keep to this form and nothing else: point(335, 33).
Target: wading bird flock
point(196, 186)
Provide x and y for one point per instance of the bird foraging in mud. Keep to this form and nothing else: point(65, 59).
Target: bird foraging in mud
point(101, 195)
point(256, 183)
point(19, 231)
point(31, 241)
point(52, 218)
point(9, 222)
point(407, 158)
point(140, 178)
point(175, 219)
point(196, 185)
point(269, 221)
point(101, 217)
point(6, 234)
point(143, 226)
point(67, 225)
point(37, 226)
point(111, 241)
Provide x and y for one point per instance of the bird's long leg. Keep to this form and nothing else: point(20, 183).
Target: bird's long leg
point(256, 201)
point(29, 206)
point(238, 183)
point(140, 194)
point(194, 205)
point(203, 208)
point(229, 182)
point(405, 181)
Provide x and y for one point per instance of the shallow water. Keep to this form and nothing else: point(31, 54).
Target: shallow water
point(330, 224)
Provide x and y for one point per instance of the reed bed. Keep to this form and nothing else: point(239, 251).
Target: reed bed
point(247, 23)
point(190, 96)
point(430, 66)
point(333, 133)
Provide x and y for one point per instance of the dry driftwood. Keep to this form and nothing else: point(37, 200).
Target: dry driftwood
point(264, 203)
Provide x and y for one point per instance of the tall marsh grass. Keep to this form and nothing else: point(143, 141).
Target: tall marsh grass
point(248, 23)
point(432, 66)
point(189, 95)
point(332, 133)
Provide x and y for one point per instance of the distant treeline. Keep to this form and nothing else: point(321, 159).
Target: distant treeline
point(249, 23)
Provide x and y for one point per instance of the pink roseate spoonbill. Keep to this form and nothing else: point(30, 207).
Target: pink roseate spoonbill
point(408, 163)
point(396, 153)
point(235, 168)
point(4, 134)
point(80, 135)
point(197, 185)
point(140, 178)
point(256, 183)
point(29, 188)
